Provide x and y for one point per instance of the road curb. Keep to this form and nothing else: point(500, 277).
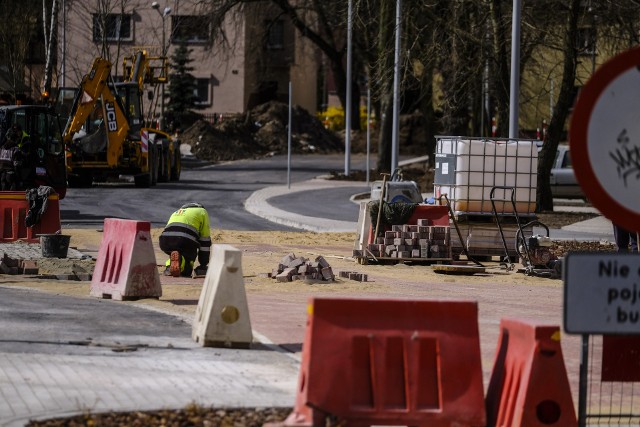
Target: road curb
point(258, 204)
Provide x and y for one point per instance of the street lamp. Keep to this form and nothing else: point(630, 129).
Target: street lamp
point(163, 15)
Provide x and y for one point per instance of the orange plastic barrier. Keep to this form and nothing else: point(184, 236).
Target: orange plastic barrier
point(390, 362)
point(13, 211)
point(126, 265)
point(529, 384)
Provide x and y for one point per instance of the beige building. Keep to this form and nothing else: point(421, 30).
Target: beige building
point(254, 63)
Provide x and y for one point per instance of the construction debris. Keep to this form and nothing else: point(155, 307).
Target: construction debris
point(293, 268)
point(261, 131)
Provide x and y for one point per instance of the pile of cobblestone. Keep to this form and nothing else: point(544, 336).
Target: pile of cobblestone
point(293, 268)
point(13, 266)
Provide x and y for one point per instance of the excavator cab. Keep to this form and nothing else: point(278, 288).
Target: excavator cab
point(128, 95)
point(131, 101)
point(41, 145)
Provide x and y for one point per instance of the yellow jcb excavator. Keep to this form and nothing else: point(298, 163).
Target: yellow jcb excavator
point(105, 135)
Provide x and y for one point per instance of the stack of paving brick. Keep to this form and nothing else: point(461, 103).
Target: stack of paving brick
point(354, 275)
point(421, 241)
point(299, 268)
point(10, 265)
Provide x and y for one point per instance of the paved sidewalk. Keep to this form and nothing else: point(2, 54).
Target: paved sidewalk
point(122, 357)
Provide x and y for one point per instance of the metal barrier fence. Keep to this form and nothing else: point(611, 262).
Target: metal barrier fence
point(611, 395)
point(213, 118)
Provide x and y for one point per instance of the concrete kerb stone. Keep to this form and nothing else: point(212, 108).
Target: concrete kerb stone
point(597, 225)
point(258, 204)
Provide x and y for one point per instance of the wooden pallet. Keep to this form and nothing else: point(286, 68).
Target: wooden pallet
point(390, 260)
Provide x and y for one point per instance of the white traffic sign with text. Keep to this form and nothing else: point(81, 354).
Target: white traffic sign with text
point(602, 293)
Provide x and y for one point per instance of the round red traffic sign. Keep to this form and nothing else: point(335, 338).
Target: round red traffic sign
point(605, 139)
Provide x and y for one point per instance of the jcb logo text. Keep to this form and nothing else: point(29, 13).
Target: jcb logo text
point(112, 124)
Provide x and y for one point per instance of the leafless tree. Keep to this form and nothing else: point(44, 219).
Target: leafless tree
point(49, 40)
point(581, 30)
point(101, 22)
point(562, 106)
point(17, 32)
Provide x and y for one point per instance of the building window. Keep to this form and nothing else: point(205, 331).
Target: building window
point(189, 29)
point(112, 27)
point(202, 91)
point(275, 34)
point(586, 43)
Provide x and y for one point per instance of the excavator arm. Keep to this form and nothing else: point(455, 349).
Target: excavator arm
point(95, 89)
point(145, 69)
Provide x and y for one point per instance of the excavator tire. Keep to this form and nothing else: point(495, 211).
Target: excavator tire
point(79, 181)
point(155, 162)
point(147, 180)
point(143, 181)
point(165, 166)
point(176, 167)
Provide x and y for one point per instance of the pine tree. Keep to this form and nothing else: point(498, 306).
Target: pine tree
point(181, 95)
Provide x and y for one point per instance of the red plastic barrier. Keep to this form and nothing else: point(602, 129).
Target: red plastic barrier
point(621, 358)
point(438, 215)
point(529, 384)
point(390, 362)
point(13, 211)
point(126, 265)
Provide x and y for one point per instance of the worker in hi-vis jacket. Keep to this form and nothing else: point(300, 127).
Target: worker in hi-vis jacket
point(186, 236)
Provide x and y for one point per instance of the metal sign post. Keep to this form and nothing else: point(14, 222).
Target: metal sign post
point(289, 139)
point(367, 167)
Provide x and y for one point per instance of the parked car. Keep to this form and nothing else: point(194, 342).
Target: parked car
point(564, 184)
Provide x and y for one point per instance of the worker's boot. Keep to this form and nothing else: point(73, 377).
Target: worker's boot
point(174, 266)
point(200, 270)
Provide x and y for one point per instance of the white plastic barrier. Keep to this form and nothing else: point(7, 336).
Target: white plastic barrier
point(222, 316)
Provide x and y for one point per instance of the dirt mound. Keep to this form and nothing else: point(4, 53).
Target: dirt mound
point(262, 130)
point(412, 139)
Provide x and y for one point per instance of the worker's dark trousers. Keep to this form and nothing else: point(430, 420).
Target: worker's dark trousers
point(7, 180)
point(624, 238)
point(187, 248)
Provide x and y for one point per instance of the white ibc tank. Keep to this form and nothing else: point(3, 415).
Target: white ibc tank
point(468, 168)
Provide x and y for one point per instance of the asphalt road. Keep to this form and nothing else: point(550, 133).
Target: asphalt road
point(37, 322)
point(221, 188)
